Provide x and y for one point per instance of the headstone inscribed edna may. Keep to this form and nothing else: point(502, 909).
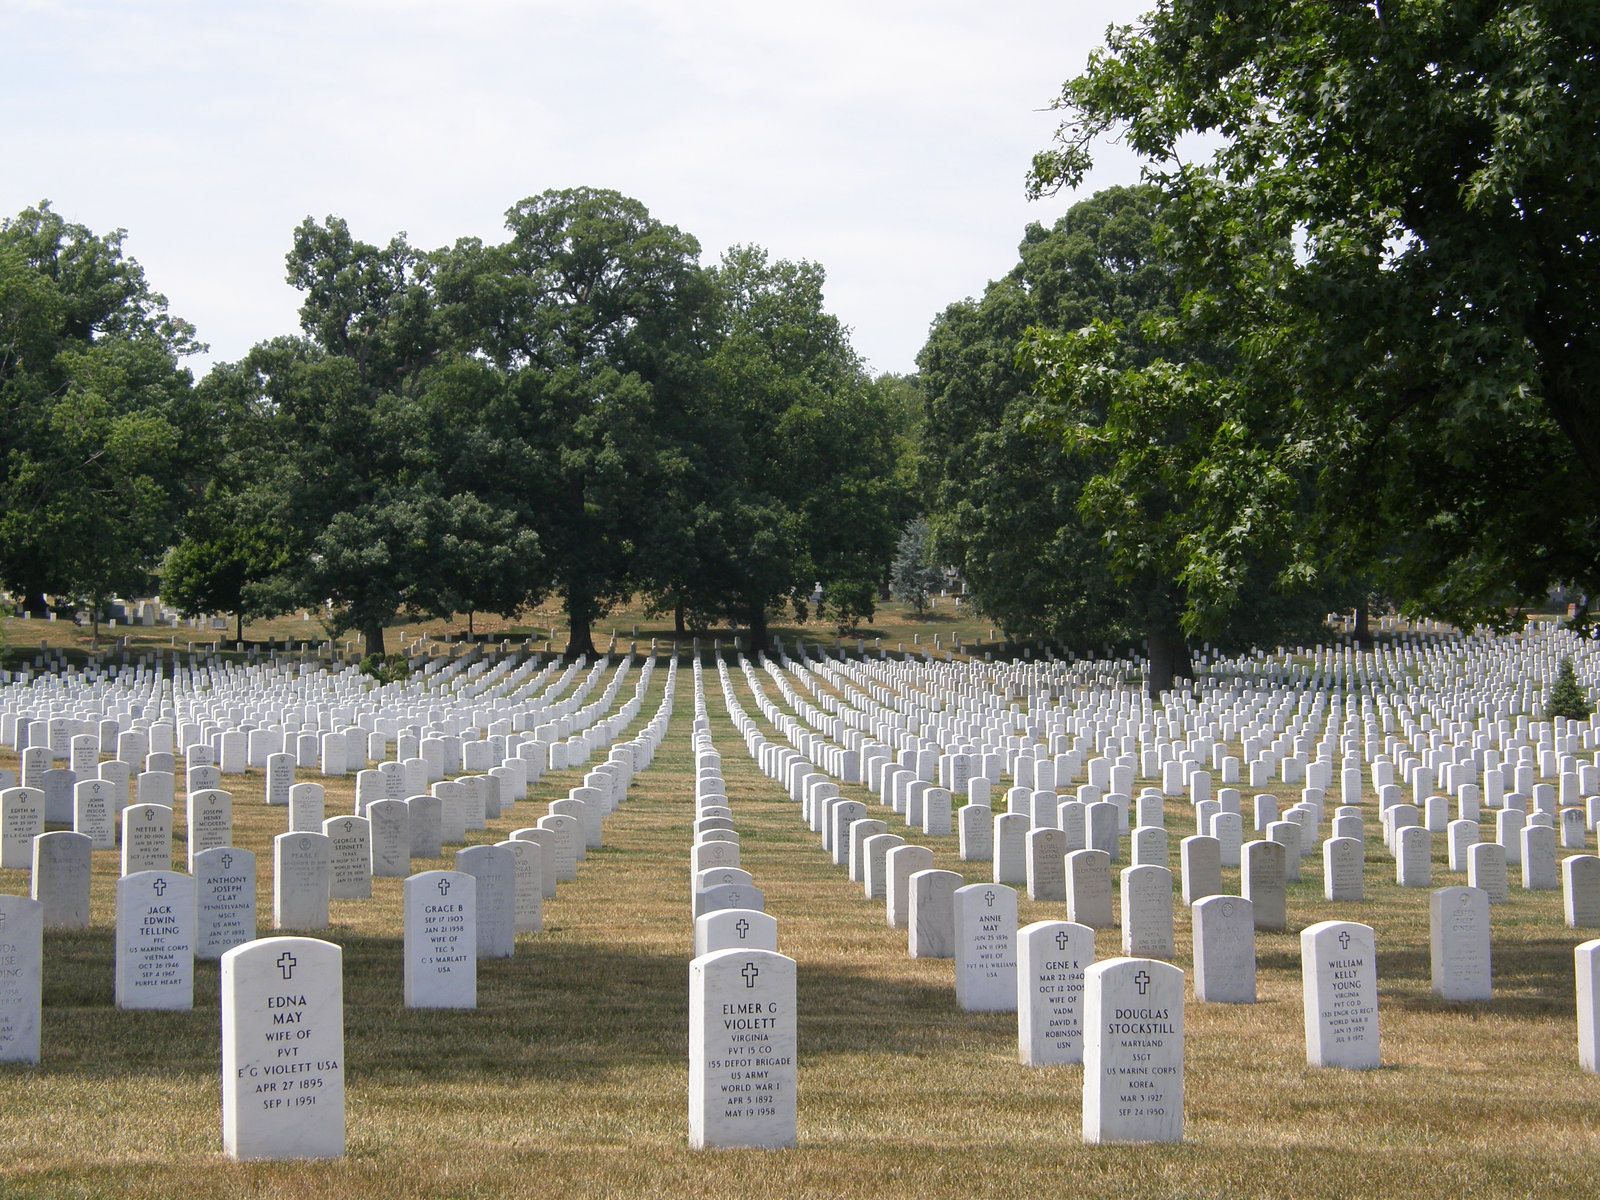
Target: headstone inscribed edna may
point(283, 1050)
point(742, 1050)
point(1339, 980)
point(1133, 1052)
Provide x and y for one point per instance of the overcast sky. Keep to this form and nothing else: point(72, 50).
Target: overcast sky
point(887, 141)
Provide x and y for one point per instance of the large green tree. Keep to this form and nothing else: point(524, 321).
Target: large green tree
point(103, 442)
point(1395, 240)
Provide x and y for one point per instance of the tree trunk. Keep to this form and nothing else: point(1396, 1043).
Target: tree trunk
point(580, 638)
point(677, 619)
point(239, 627)
point(758, 629)
point(34, 604)
point(374, 636)
point(469, 625)
point(1364, 623)
point(1169, 660)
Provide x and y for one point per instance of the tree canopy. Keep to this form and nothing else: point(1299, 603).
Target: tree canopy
point(1394, 243)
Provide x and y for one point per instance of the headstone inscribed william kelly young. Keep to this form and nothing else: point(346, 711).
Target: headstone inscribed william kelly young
point(1133, 1052)
point(1339, 978)
point(742, 1050)
point(283, 1050)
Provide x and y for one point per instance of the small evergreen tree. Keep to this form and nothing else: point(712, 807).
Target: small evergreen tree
point(912, 576)
point(1566, 698)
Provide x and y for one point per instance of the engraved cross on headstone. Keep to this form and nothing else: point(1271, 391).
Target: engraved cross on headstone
point(1344, 939)
point(227, 862)
point(159, 886)
point(286, 964)
point(1061, 940)
point(989, 897)
point(1142, 981)
point(751, 973)
point(444, 887)
point(741, 927)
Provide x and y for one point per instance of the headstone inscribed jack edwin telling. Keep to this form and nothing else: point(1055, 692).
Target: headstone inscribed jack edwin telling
point(441, 940)
point(283, 1049)
point(155, 941)
point(1051, 959)
point(21, 978)
point(742, 1050)
point(1133, 1052)
point(1339, 979)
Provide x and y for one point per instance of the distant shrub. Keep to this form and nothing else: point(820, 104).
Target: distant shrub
point(1567, 699)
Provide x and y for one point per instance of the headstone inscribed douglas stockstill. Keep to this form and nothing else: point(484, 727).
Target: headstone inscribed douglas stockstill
point(283, 1049)
point(1051, 959)
point(441, 940)
point(155, 941)
point(225, 900)
point(1133, 1052)
point(742, 1050)
point(986, 948)
point(21, 978)
point(1339, 980)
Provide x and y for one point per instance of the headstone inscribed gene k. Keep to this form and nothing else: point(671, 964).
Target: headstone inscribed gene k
point(1051, 959)
point(225, 900)
point(441, 940)
point(1133, 1052)
point(21, 978)
point(155, 941)
point(283, 1049)
point(1339, 983)
point(742, 1050)
point(985, 947)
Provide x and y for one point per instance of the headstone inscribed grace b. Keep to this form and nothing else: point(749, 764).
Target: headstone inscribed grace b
point(424, 817)
point(734, 929)
point(390, 851)
point(210, 821)
point(349, 857)
point(902, 862)
point(495, 869)
point(283, 1049)
point(1459, 944)
point(146, 838)
point(1051, 959)
point(931, 922)
point(1262, 883)
point(1011, 849)
point(1200, 858)
point(1339, 983)
point(1224, 950)
point(61, 878)
point(300, 880)
point(546, 842)
point(1147, 912)
point(155, 941)
point(21, 978)
point(1133, 1052)
point(1580, 887)
point(1047, 873)
point(441, 940)
point(280, 778)
point(742, 1050)
point(876, 882)
point(1486, 869)
point(21, 820)
point(1089, 889)
point(225, 900)
point(986, 948)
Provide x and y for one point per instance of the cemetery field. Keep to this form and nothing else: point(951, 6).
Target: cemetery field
point(570, 1077)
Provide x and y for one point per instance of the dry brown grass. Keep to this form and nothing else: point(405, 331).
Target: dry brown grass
point(570, 1078)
